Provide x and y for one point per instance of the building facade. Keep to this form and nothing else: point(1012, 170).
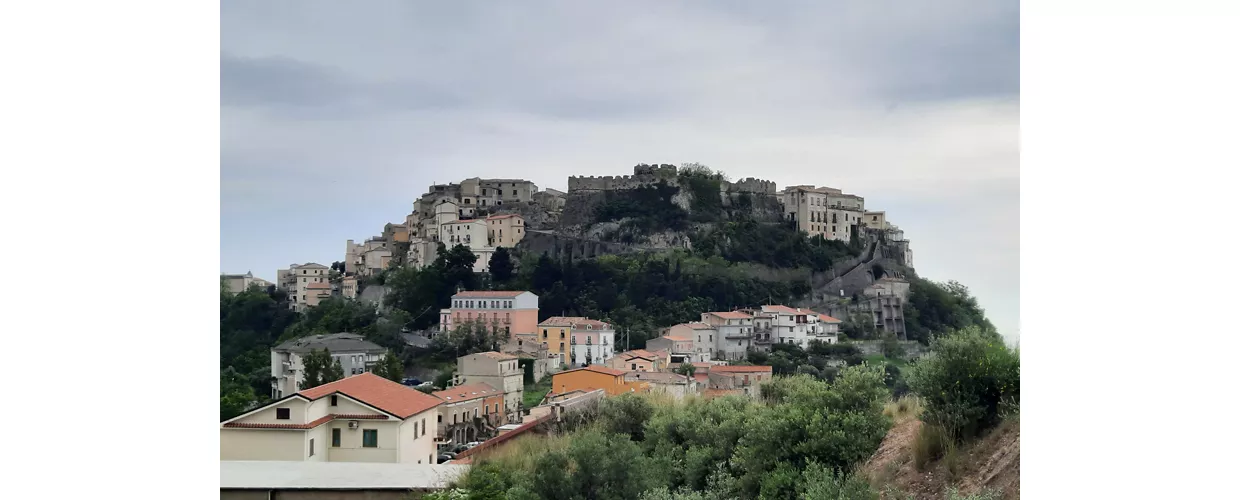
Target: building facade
point(363, 418)
point(505, 230)
point(702, 335)
point(513, 312)
point(680, 349)
point(297, 281)
point(640, 360)
point(498, 370)
point(355, 354)
point(578, 341)
point(238, 283)
point(470, 412)
point(595, 377)
point(734, 331)
point(745, 379)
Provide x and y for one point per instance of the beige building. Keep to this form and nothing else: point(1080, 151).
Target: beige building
point(823, 211)
point(302, 283)
point(498, 370)
point(746, 380)
point(238, 283)
point(348, 287)
point(469, 413)
point(875, 220)
point(673, 384)
point(505, 230)
point(702, 335)
point(363, 418)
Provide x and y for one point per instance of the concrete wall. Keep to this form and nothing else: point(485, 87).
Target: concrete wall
point(308, 494)
point(263, 444)
point(351, 449)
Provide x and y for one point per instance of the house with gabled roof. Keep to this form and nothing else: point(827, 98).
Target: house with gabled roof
point(363, 418)
point(640, 360)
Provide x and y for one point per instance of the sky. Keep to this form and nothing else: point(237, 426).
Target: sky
point(336, 116)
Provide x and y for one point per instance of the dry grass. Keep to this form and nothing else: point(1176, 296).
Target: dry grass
point(931, 443)
point(905, 408)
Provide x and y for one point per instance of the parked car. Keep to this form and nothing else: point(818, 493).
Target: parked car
point(459, 448)
point(425, 384)
point(411, 381)
point(444, 457)
point(472, 444)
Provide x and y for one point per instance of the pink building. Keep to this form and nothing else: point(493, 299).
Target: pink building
point(512, 312)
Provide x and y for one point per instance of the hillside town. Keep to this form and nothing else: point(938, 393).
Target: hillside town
point(573, 361)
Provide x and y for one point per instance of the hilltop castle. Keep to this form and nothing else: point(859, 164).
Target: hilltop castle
point(650, 175)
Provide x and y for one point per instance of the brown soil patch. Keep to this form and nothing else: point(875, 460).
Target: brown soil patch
point(992, 462)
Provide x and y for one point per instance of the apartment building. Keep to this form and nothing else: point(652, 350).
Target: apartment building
point(362, 418)
point(348, 287)
point(498, 370)
point(297, 281)
point(578, 341)
point(469, 412)
point(787, 325)
point(875, 220)
point(734, 331)
point(513, 312)
point(702, 335)
point(505, 230)
point(355, 354)
point(823, 211)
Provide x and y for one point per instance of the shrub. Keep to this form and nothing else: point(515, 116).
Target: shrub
point(931, 443)
point(984, 494)
point(964, 380)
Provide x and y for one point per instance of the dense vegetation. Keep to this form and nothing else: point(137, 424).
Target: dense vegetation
point(802, 441)
point(970, 383)
point(936, 308)
point(775, 245)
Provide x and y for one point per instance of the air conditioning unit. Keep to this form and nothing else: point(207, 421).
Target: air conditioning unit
point(353, 424)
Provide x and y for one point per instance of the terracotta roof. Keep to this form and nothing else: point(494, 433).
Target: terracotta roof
point(504, 216)
point(739, 369)
point(642, 353)
point(701, 364)
point(574, 321)
point(676, 338)
point(731, 315)
point(463, 457)
point(467, 392)
point(316, 286)
point(489, 293)
point(378, 392)
point(828, 319)
point(314, 423)
point(786, 310)
point(697, 325)
point(497, 355)
point(701, 377)
point(595, 369)
point(657, 377)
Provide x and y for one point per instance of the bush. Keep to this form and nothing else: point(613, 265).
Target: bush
point(964, 380)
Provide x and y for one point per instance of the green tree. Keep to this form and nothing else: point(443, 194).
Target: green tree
point(969, 375)
point(391, 367)
point(686, 369)
point(320, 368)
point(236, 394)
point(501, 266)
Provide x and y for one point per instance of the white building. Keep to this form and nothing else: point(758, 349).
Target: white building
point(593, 343)
point(363, 418)
point(733, 333)
point(355, 353)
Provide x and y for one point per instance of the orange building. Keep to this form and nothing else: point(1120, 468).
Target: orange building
point(640, 360)
point(513, 312)
point(595, 377)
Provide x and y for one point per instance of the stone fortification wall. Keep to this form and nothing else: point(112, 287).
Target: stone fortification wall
point(648, 175)
point(750, 185)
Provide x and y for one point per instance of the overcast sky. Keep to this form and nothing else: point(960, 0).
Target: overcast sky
point(335, 115)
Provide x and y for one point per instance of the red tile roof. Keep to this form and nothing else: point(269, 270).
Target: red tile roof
point(739, 369)
point(696, 325)
point(314, 423)
point(785, 309)
point(489, 293)
point(497, 355)
point(575, 322)
point(467, 392)
point(828, 319)
point(464, 456)
point(504, 216)
point(596, 369)
point(642, 353)
point(731, 315)
point(701, 377)
point(701, 364)
point(378, 392)
point(676, 338)
point(316, 286)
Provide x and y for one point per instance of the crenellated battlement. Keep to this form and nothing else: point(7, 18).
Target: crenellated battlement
point(751, 185)
point(650, 174)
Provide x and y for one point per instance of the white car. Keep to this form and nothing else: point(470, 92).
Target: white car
point(472, 444)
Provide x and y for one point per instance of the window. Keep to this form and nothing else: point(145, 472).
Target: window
point(282, 414)
point(475, 413)
point(335, 438)
point(454, 419)
point(634, 366)
point(440, 419)
point(424, 427)
point(312, 447)
point(514, 192)
point(370, 438)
